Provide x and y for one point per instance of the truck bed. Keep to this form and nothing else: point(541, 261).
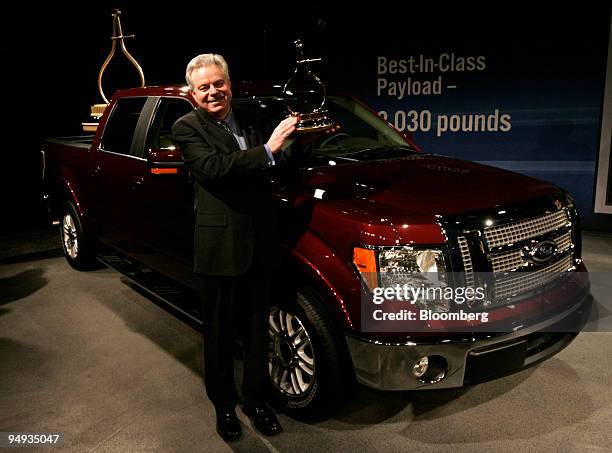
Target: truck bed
point(65, 170)
point(76, 141)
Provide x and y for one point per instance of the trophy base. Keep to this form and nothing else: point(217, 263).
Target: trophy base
point(313, 122)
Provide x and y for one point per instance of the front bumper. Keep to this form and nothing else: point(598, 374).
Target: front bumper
point(469, 359)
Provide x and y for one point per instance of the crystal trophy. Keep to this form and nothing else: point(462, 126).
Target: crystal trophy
point(305, 95)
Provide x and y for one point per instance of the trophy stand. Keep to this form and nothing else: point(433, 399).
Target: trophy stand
point(306, 95)
point(97, 110)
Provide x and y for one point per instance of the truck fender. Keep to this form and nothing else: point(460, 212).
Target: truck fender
point(69, 193)
point(311, 260)
point(70, 189)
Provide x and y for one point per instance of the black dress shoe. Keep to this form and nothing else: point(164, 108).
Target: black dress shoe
point(228, 425)
point(263, 418)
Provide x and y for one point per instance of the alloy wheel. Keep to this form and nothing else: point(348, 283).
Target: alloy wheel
point(69, 236)
point(291, 360)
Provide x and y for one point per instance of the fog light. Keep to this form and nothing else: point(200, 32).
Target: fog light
point(430, 369)
point(420, 367)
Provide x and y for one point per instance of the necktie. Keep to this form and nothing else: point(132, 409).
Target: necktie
point(240, 141)
point(225, 126)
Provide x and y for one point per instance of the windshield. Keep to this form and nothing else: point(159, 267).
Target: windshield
point(362, 136)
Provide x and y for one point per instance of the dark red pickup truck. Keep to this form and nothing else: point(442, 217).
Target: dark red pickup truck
point(365, 212)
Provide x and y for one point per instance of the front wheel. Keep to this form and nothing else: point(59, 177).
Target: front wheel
point(77, 243)
point(310, 371)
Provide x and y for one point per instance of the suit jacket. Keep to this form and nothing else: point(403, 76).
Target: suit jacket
point(235, 214)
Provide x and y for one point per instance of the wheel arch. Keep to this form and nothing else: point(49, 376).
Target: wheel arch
point(310, 263)
point(64, 190)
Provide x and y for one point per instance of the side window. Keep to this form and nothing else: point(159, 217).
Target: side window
point(168, 111)
point(119, 130)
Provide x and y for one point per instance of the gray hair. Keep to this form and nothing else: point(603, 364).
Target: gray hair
point(205, 59)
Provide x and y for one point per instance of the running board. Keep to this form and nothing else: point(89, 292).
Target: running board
point(180, 298)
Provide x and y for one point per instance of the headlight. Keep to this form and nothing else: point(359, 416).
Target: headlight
point(416, 268)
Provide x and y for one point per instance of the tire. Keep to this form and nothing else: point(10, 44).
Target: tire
point(77, 243)
point(310, 370)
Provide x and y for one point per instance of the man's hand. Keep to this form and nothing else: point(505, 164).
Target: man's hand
point(284, 129)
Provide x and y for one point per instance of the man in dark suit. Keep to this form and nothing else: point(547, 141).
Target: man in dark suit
point(237, 245)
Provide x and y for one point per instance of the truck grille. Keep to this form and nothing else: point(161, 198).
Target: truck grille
point(467, 260)
point(523, 282)
point(525, 229)
point(503, 246)
point(511, 261)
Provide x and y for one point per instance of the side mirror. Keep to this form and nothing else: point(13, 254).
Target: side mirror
point(164, 161)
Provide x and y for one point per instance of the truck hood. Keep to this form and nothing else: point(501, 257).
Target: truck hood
point(419, 188)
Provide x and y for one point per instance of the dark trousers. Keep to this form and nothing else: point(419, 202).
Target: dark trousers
point(235, 304)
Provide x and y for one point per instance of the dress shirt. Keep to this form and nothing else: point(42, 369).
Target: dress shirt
point(230, 120)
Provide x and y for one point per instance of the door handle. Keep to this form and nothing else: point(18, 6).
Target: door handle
point(137, 181)
point(95, 170)
point(282, 200)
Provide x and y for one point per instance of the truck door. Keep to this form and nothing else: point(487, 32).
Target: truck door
point(119, 172)
point(168, 208)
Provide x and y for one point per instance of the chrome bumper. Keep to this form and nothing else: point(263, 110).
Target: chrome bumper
point(387, 366)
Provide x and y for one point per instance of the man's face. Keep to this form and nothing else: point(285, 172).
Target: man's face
point(212, 90)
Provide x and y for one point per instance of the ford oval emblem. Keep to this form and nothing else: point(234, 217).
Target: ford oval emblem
point(541, 252)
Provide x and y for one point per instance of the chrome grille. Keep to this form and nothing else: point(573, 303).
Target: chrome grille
point(564, 242)
point(527, 281)
point(521, 276)
point(504, 262)
point(507, 261)
point(525, 229)
point(467, 260)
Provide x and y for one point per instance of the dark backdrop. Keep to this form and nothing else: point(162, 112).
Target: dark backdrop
point(52, 59)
